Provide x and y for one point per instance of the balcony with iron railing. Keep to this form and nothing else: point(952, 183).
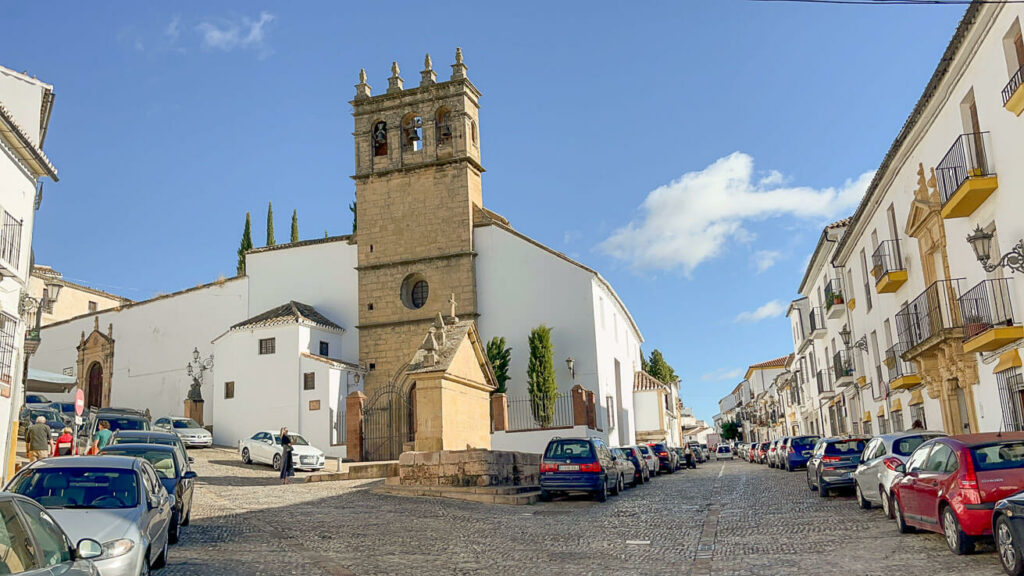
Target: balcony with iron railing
point(930, 319)
point(843, 368)
point(987, 312)
point(835, 298)
point(1013, 96)
point(966, 176)
point(817, 322)
point(825, 387)
point(887, 267)
point(902, 374)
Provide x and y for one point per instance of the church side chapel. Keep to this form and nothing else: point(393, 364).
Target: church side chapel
point(393, 319)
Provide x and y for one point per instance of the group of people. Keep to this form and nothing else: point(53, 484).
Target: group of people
point(39, 444)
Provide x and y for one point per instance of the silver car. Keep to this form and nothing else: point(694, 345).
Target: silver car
point(191, 433)
point(116, 500)
point(873, 478)
point(35, 545)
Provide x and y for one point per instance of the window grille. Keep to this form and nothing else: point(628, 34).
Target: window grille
point(268, 345)
point(917, 415)
point(229, 390)
point(309, 381)
point(1011, 386)
point(10, 240)
point(8, 326)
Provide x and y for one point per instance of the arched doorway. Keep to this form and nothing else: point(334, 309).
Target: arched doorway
point(95, 390)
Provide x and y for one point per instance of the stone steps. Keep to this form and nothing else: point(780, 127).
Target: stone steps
point(508, 495)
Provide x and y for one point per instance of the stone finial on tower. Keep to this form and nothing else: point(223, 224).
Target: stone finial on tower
point(458, 69)
point(427, 76)
point(362, 89)
point(395, 83)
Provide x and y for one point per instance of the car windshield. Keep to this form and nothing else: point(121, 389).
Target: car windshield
point(187, 423)
point(906, 446)
point(852, 447)
point(79, 487)
point(50, 415)
point(162, 460)
point(803, 441)
point(296, 440)
point(1001, 456)
point(569, 449)
point(126, 423)
point(65, 406)
point(119, 439)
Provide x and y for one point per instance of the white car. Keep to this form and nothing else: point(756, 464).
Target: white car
point(265, 447)
point(723, 452)
point(191, 433)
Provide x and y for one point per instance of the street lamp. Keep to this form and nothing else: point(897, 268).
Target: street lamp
point(861, 344)
point(981, 242)
point(571, 365)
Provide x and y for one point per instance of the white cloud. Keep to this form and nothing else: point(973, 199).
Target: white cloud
point(173, 29)
point(722, 374)
point(772, 309)
point(765, 259)
point(244, 33)
point(692, 219)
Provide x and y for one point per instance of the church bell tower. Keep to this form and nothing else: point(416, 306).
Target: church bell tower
point(417, 174)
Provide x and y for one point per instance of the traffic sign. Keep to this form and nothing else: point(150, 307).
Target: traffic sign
point(79, 401)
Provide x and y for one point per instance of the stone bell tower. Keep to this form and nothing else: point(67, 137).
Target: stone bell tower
point(417, 185)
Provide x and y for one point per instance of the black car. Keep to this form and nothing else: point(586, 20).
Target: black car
point(118, 418)
point(833, 462)
point(665, 456)
point(53, 419)
point(1008, 533)
point(152, 437)
point(173, 473)
point(643, 474)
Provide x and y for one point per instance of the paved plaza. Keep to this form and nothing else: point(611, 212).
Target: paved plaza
point(722, 519)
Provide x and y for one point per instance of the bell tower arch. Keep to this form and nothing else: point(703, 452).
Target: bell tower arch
point(418, 183)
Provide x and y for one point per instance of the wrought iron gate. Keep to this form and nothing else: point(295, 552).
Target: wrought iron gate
point(387, 422)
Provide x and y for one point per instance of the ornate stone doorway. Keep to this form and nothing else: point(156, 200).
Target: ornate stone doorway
point(96, 365)
point(94, 391)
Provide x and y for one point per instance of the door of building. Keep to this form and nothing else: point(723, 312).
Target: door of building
point(95, 392)
point(961, 404)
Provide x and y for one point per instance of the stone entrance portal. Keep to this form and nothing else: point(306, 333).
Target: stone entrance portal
point(96, 365)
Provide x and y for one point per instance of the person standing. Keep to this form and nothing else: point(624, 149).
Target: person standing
point(38, 444)
point(65, 444)
point(287, 465)
point(102, 437)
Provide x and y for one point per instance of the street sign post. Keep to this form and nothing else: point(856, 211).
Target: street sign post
point(79, 409)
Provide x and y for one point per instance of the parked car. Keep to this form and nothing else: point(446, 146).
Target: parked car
point(832, 463)
point(173, 473)
point(752, 453)
point(151, 437)
point(723, 452)
point(579, 465)
point(626, 467)
point(191, 433)
point(770, 456)
point(951, 485)
point(1008, 532)
point(118, 501)
point(876, 472)
point(35, 398)
point(680, 457)
point(66, 410)
point(29, 414)
point(643, 473)
point(697, 453)
point(666, 457)
point(762, 453)
point(653, 464)
point(34, 530)
point(118, 418)
point(796, 451)
point(265, 447)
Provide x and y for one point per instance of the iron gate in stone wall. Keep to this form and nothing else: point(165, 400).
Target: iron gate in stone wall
point(388, 421)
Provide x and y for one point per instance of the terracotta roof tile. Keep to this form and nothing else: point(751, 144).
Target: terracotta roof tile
point(293, 311)
point(643, 381)
point(774, 363)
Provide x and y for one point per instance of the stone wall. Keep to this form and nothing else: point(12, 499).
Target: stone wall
point(468, 468)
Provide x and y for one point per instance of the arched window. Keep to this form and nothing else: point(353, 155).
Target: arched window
point(379, 136)
point(412, 133)
point(443, 127)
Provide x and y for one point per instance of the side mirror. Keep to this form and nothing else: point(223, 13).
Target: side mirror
point(902, 468)
point(88, 549)
point(191, 460)
point(190, 475)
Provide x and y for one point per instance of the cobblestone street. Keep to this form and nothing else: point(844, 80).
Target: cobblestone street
point(733, 518)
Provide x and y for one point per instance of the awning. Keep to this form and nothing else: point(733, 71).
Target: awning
point(43, 381)
point(867, 416)
point(881, 411)
point(897, 405)
point(1007, 360)
point(915, 398)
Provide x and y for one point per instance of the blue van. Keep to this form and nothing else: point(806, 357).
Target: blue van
point(579, 465)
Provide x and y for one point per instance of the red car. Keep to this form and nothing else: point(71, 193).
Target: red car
point(950, 485)
point(752, 453)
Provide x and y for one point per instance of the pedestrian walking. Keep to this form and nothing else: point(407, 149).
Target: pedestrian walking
point(101, 438)
point(65, 444)
point(38, 444)
point(287, 465)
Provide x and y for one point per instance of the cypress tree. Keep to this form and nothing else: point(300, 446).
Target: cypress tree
point(295, 226)
point(352, 209)
point(540, 376)
point(500, 357)
point(246, 244)
point(270, 224)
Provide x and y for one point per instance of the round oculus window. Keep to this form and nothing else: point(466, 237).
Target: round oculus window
point(415, 291)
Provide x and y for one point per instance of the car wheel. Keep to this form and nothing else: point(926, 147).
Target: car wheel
point(545, 496)
point(822, 488)
point(810, 485)
point(864, 503)
point(188, 516)
point(277, 461)
point(245, 456)
point(145, 570)
point(161, 560)
point(958, 542)
point(601, 494)
point(887, 507)
point(1009, 555)
point(173, 530)
point(897, 513)
point(617, 487)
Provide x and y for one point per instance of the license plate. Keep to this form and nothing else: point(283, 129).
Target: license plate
point(569, 467)
point(807, 452)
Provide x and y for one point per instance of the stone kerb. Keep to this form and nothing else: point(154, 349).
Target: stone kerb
point(468, 468)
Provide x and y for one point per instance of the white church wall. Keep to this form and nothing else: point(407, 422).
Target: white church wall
point(315, 409)
point(321, 274)
point(618, 353)
point(310, 339)
point(153, 343)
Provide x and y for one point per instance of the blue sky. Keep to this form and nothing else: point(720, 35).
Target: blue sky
point(690, 151)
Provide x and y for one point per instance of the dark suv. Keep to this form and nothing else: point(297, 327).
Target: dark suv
point(118, 418)
point(579, 465)
point(833, 462)
point(665, 456)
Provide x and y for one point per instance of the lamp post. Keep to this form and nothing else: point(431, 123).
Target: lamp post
point(570, 363)
point(981, 242)
point(861, 344)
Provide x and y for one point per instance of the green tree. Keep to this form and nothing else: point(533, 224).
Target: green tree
point(500, 357)
point(295, 226)
point(644, 364)
point(540, 376)
point(246, 244)
point(352, 209)
point(730, 431)
point(270, 224)
point(659, 368)
point(325, 234)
